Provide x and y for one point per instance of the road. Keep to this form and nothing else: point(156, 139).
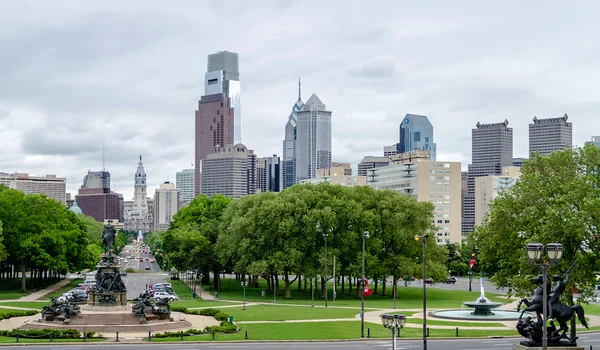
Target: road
point(380, 344)
point(136, 282)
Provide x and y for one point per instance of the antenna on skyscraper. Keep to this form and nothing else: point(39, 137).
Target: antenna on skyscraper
point(299, 89)
point(103, 159)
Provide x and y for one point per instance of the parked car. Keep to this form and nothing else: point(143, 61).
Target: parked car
point(88, 283)
point(163, 295)
point(147, 268)
point(141, 259)
point(152, 261)
point(450, 279)
point(429, 281)
point(168, 285)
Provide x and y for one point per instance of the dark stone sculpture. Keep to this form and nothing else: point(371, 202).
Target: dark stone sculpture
point(61, 310)
point(108, 236)
point(144, 303)
point(558, 311)
point(110, 289)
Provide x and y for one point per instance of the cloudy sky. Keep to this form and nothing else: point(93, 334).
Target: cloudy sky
point(75, 73)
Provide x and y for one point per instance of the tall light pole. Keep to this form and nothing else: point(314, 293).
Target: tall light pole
point(423, 239)
point(325, 235)
point(244, 284)
point(362, 288)
point(534, 255)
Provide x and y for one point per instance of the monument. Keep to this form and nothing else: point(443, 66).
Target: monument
point(557, 311)
point(109, 289)
point(145, 309)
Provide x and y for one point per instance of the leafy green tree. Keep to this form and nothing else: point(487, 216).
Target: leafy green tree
point(3, 253)
point(93, 228)
point(557, 199)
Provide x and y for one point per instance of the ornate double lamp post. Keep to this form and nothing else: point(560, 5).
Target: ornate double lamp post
point(393, 322)
point(535, 256)
point(362, 287)
point(423, 239)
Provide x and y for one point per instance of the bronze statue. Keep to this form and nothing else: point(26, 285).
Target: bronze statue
point(108, 236)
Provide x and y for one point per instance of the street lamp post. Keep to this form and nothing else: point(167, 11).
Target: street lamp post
point(274, 290)
point(393, 322)
point(534, 255)
point(312, 291)
point(423, 239)
point(244, 284)
point(362, 288)
point(325, 235)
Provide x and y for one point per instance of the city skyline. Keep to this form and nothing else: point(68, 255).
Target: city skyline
point(88, 74)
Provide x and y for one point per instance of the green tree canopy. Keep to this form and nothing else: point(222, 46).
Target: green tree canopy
point(557, 199)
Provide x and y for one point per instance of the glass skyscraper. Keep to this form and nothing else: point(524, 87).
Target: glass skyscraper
point(313, 141)
point(289, 144)
point(416, 133)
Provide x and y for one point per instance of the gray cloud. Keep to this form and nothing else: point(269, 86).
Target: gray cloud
point(75, 73)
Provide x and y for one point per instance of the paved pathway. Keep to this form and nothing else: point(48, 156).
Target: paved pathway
point(40, 293)
point(204, 295)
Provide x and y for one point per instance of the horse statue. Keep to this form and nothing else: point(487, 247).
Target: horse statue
point(108, 236)
point(536, 304)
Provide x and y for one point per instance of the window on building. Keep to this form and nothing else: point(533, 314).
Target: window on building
point(417, 136)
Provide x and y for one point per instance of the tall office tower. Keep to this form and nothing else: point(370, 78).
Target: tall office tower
point(416, 133)
point(268, 174)
point(489, 187)
point(184, 182)
point(370, 162)
point(138, 217)
point(426, 180)
point(288, 164)
point(391, 150)
point(313, 142)
point(464, 185)
point(223, 76)
point(549, 135)
point(230, 171)
point(97, 179)
point(50, 185)
point(492, 149)
point(166, 204)
point(595, 141)
point(214, 127)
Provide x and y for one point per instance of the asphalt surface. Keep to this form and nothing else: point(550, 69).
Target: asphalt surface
point(136, 282)
point(585, 340)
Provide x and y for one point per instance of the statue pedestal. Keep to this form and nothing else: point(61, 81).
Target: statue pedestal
point(552, 347)
point(96, 298)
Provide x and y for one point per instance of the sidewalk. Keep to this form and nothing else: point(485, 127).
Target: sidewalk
point(40, 293)
point(201, 293)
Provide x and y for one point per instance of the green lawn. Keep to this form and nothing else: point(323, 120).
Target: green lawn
point(408, 297)
point(279, 313)
point(26, 304)
point(11, 290)
point(332, 330)
point(591, 309)
point(57, 293)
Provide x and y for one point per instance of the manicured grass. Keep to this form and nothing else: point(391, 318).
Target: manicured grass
point(332, 330)
point(455, 324)
point(57, 293)
point(26, 304)
point(11, 290)
point(591, 309)
point(280, 313)
point(408, 297)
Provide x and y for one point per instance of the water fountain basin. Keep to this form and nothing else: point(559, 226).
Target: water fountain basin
point(482, 308)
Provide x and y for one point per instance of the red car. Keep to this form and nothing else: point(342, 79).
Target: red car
point(152, 260)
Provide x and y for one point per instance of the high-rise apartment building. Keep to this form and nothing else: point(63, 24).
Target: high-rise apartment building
point(371, 162)
point(50, 185)
point(313, 142)
point(426, 180)
point(345, 166)
point(549, 135)
point(166, 204)
point(492, 149)
point(230, 171)
point(184, 182)
point(218, 118)
point(268, 174)
point(288, 165)
point(416, 133)
point(595, 141)
point(489, 187)
point(138, 217)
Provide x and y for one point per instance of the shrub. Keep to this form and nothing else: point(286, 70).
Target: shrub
point(18, 314)
point(45, 333)
point(221, 316)
point(180, 309)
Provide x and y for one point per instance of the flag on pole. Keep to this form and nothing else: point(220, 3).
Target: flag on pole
point(367, 292)
point(472, 262)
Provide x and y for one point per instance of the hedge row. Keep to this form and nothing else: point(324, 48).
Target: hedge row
point(45, 333)
point(220, 316)
point(18, 314)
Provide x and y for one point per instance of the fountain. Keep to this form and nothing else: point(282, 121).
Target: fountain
point(482, 310)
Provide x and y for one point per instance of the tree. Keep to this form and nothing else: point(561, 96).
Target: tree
point(557, 199)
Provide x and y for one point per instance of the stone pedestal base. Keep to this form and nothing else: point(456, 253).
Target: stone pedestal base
point(551, 347)
point(94, 299)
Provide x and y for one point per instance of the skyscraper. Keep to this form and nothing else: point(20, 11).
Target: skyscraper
point(549, 135)
point(230, 171)
point(215, 114)
point(492, 149)
point(223, 76)
point(50, 185)
point(313, 141)
point(166, 204)
point(184, 182)
point(595, 141)
point(268, 174)
point(137, 217)
point(416, 133)
point(289, 144)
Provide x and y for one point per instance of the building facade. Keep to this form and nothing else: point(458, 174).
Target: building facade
point(50, 185)
point(230, 171)
point(268, 174)
point(489, 187)
point(416, 133)
point(549, 135)
point(347, 168)
point(595, 141)
point(96, 179)
point(98, 203)
point(339, 174)
point(313, 142)
point(288, 163)
point(138, 217)
point(166, 204)
point(225, 68)
point(427, 180)
point(184, 182)
point(371, 162)
point(492, 149)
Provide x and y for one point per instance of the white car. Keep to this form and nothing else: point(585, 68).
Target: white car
point(164, 295)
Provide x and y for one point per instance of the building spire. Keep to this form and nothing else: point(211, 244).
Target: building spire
point(299, 89)
point(140, 158)
point(103, 158)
